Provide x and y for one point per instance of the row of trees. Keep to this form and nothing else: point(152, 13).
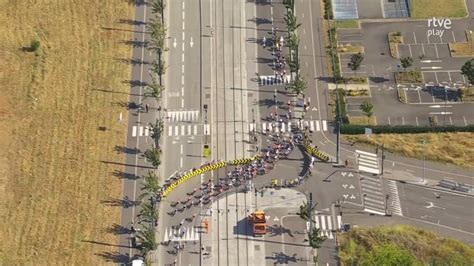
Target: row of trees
point(314, 235)
point(148, 215)
point(298, 84)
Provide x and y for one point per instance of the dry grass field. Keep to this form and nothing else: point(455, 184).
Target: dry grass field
point(454, 148)
point(53, 158)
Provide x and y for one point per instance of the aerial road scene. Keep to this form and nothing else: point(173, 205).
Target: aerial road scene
point(237, 132)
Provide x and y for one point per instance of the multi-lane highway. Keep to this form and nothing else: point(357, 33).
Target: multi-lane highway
point(221, 90)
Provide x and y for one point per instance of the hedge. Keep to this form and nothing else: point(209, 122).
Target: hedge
point(360, 129)
point(328, 9)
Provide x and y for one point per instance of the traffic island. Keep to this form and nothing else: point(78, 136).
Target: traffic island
point(394, 39)
point(408, 77)
point(463, 49)
point(350, 49)
point(466, 94)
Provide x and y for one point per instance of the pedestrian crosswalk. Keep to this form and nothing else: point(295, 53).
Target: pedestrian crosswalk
point(312, 125)
point(140, 131)
point(183, 234)
point(185, 116)
point(372, 194)
point(188, 130)
point(390, 187)
point(367, 162)
point(327, 224)
point(274, 80)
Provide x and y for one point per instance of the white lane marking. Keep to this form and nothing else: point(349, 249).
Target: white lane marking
point(325, 125)
point(189, 130)
point(134, 131)
point(146, 131)
point(176, 130)
point(141, 132)
point(170, 131)
point(195, 131)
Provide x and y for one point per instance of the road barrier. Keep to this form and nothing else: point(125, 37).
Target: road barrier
point(204, 169)
point(313, 151)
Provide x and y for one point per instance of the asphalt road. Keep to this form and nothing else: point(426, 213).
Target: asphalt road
point(214, 55)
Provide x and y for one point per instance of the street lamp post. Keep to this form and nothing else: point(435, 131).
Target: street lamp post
point(424, 146)
point(445, 104)
point(253, 116)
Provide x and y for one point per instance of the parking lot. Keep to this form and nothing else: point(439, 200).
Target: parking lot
point(436, 96)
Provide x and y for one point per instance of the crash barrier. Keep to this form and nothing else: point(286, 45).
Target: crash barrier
point(315, 152)
point(205, 169)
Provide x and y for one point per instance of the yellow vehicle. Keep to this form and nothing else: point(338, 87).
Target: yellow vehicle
point(259, 223)
point(206, 151)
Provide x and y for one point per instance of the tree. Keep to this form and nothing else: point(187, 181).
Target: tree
point(289, 4)
point(156, 130)
point(148, 240)
point(294, 65)
point(356, 61)
point(157, 6)
point(150, 185)
point(148, 213)
point(367, 108)
point(158, 35)
point(406, 62)
point(305, 211)
point(153, 156)
point(468, 70)
point(154, 88)
point(298, 85)
point(293, 41)
point(291, 21)
point(315, 238)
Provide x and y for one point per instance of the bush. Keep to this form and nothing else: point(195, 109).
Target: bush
point(360, 129)
point(34, 45)
point(328, 9)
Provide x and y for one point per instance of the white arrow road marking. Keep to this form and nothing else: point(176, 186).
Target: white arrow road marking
point(431, 205)
point(439, 106)
point(345, 196)
point(431, 61)
point(191, 43)
point(343, 173)
point(175, 43)
point(344, 186)
point(434, 67)
point(350, 175)
point(276, 219)
point(267, 217)
point(314, 109)
point(352, 196)
point(441, 113)
point(351, 187)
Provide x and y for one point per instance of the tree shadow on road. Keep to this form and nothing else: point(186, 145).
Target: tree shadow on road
point(127, 150)
point(125, 203)
point(282, 258)
point(124, 175)
point(117, 229)
point(278, 230)
point(114, 257)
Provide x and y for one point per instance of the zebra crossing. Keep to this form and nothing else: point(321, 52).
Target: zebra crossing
point(368, 162)
point(373, 197)
point(393, 200)
point(274, 80)
point(140, 131)
point(182, 116)
point(188, 130)
point(179, 235)
point(312, 125)
point(326, 225)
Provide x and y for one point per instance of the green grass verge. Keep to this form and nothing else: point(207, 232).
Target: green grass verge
point(346, 24)
point(401, 245)
point(438, 8)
